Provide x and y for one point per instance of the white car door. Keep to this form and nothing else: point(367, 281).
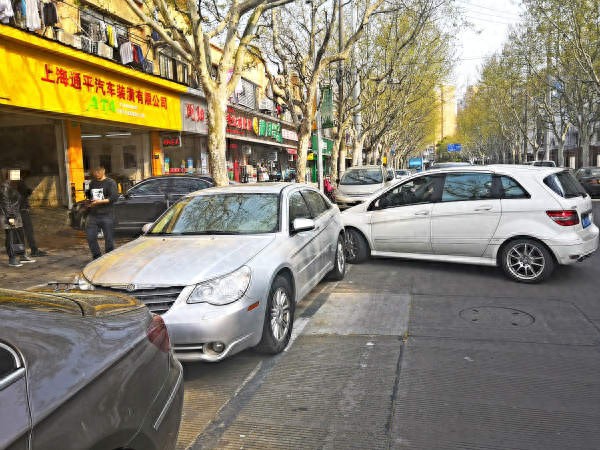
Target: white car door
point(400, 220)
point(465, 219)
point(305, 251)
point(325, 227)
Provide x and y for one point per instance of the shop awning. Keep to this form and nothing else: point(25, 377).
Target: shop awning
point(292, 151)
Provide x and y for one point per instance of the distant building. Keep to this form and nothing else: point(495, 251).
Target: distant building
point(446, 120)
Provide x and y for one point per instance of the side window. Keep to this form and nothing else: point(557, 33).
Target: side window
point(187, 185)
point(467, 186)
point(151, 187)
point(298, 207)
point(509, 188)
point(316, 202)
point(8, 361)
point(415, 191)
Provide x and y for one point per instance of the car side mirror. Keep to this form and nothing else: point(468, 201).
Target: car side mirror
point(301, 224)
point(389, 178)
point(126, 195)
point(146, 227)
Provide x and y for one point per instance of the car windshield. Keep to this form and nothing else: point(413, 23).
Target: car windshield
point(362, 176)
point(591, 172)
point(401, 172)
point(544, 164)
point(232, 213)
point(565, 184)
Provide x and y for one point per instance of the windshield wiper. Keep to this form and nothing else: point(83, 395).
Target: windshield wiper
point(207, 232)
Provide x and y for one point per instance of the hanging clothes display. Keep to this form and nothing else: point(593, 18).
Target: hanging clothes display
point(32, 15)
point(6, 11)
point(138, 55)
point(110, 34)
point(126, 51)
point(50, 14)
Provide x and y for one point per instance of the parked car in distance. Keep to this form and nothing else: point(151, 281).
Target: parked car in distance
point(85, 370)
point(226, 266)
point(358, 183)
point(589, 177)
point(525, 219)
point(403, 173)
point(145, 201)
point(543, 163)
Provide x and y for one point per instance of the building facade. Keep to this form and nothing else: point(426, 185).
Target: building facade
point(83, 84)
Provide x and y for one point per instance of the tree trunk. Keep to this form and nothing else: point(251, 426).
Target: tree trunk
point(335, 156)
point(357, 151)
point(585, 149)
point(342, 162)
point(561, 153)
point(304, 135)
point(217, 145)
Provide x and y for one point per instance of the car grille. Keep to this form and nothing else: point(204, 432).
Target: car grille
point(158, 300)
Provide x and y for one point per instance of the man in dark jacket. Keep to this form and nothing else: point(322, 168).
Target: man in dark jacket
point(102, 194)
point(10, 220)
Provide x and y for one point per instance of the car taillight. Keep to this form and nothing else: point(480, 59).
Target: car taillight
point(157, 334)
point(566, 218)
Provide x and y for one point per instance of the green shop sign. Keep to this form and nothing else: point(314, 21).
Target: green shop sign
point(326, 145)
point(267, 129)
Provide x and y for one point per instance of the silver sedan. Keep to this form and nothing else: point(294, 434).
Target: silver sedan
point(226, 266)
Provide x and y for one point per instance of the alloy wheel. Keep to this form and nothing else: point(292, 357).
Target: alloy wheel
point(350, 247)
point(280, 314)
point(525, 261)
point(341, 258)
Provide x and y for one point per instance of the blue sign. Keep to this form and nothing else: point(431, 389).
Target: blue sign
point(454, 147)
point(415, 162)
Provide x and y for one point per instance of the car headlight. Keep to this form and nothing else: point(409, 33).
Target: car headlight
point(83, 283)
point(222, 290)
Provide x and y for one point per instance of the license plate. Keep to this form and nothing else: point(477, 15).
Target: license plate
point(586, 220)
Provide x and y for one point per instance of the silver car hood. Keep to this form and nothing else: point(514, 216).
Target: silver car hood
point(174, 261)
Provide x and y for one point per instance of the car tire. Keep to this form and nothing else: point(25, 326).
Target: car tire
point(279, 318)
point(356, 247)
point(527, 261)
point(339, 261)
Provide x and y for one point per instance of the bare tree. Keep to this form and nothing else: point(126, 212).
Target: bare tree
point(192, 28)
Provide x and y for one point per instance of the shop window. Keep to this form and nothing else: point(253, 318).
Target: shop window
point(129, 157)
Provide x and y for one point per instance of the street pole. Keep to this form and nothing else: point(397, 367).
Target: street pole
point(319, 149)
point(341, 154)
point(356, 87)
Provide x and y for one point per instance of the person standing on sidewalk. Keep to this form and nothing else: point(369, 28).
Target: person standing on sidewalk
point(25, 210)
point(103, 193)
point(10, 220)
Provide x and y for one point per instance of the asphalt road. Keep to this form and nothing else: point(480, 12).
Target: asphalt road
point(405, 354)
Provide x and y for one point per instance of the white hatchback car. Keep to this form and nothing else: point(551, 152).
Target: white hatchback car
point(525, 219)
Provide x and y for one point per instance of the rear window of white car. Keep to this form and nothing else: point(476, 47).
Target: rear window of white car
point(565, 184)
point(362, 176)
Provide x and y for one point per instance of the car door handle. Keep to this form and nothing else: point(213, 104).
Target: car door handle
point(484, 208)
point(422, 213)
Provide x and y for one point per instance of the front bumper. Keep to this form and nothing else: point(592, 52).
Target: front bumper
point(193, 327)
point(347, 201)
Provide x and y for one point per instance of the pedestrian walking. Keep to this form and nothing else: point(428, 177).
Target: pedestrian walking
point(10, 218)
point(329, 190)
point(102, 195)
point(25, 210)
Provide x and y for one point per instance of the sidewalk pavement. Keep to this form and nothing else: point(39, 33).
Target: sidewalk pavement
point(67, 250)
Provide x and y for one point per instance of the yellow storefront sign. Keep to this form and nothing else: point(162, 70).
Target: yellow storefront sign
point(32, 77)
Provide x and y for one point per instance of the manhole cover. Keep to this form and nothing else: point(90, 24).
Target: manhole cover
point(497, 316)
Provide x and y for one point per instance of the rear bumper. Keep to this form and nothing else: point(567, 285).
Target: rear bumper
point(572, 252)
point(161, 425)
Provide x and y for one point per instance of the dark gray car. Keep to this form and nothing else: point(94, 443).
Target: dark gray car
point(85, 370)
